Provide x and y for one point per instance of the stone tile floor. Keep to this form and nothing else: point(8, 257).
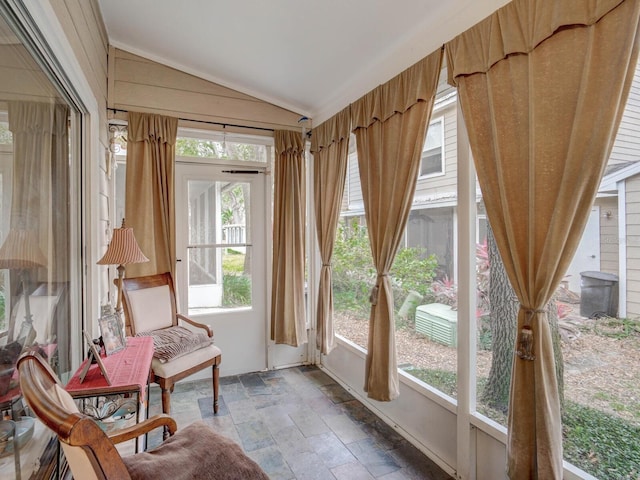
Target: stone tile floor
point(298, 423)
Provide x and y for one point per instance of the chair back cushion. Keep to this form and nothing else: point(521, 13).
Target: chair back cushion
point(150, 308)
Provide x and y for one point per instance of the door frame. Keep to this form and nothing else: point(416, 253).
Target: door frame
point(223, 322)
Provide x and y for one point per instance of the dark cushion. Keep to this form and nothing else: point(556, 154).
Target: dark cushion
point(173, 342)
point(195, 452)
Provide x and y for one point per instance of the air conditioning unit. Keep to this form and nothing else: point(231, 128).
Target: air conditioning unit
point(438, 322)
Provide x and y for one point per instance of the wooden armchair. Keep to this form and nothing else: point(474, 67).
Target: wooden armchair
point(150, 309)
point(195, 451)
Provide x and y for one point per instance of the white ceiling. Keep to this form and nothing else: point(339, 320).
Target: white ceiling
point(313, 57)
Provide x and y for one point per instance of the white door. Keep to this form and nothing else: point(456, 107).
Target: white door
point(587, 257)
point(220, 242)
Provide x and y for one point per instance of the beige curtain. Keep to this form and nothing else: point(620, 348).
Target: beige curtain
point(542, 86)
point(150, 191)
point(40, 192)
point(288, 324)
point(390, 124)
point(330, 148)
point(40, 201)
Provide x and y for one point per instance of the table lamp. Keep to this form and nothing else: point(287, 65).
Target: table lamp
point(122, 249)
point(20, 251)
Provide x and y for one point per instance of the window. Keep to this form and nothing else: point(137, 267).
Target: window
point(39, 257)
point(433, 153)
point(596, 338)
point(223, 146)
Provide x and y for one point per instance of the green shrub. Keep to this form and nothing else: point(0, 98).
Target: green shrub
point(354, 274)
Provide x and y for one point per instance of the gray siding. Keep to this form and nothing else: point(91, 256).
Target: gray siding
point(442, 185)
point(633, 246)
point(626, 147)
point(609, 246)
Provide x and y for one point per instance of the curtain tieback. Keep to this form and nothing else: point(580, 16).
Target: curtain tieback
point(326, 265)
point(373, 296)
point(525, 336)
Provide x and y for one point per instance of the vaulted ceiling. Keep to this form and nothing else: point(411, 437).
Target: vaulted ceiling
point(310, 56)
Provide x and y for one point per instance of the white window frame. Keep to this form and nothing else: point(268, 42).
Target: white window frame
point(442, 150)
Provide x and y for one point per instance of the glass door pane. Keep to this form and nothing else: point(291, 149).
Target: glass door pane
point(219, 248)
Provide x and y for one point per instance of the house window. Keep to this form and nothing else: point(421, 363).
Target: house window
point(433, 152)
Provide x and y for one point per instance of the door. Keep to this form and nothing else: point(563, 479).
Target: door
point(220, 242)
point(587, 257)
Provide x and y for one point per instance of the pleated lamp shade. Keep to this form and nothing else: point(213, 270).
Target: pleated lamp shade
point(21, 250)
point(123, 248)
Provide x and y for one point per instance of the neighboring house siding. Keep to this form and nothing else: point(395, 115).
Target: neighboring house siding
point(627, 143)
point(633, 246)
point(609, 251)
point(353, 191)
point(140, 84)
point(429, 189)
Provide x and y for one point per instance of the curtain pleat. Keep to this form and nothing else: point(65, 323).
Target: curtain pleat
point(330, 148)
point(390, 124)
point(288, 322)
point(542, 115)
point(150, 191)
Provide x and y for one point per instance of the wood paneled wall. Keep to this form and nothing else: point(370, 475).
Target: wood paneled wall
point(140, 84)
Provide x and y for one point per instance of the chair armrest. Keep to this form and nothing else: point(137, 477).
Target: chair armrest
point(207, 328)
point(129, 433)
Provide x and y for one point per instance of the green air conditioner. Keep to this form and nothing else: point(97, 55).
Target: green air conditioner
point(438, 322)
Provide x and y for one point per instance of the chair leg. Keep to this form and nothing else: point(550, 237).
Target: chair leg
point(166, 400)
point(216, 375)
point(166, 406)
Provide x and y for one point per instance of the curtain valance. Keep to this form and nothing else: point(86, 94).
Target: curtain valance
point(150, 127)
point(397, 95)
point(34, 117)
point(518, 27)
point(288, 142)
point(332, 131)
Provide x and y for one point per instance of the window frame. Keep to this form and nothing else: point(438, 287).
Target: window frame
point(439, 119)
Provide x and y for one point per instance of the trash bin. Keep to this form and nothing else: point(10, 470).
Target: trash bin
point(598, 294)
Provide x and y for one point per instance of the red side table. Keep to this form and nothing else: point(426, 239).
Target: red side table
point(129, 372)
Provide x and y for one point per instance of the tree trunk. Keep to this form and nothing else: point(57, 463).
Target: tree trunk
point(503, 322)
